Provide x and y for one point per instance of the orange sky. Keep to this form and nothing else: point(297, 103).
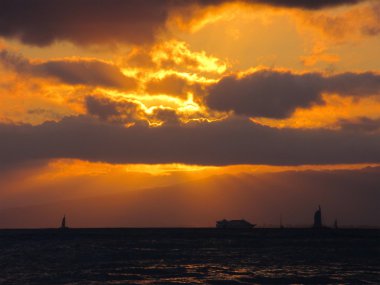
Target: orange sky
point(177, 78)
point(172, 72)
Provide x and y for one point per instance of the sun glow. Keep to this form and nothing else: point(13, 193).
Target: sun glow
point(186, 109)
point(179, 54)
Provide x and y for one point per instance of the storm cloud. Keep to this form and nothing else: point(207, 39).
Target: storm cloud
point(83, 72)
point(277, 94)
point(233, 141)
point(84, 22)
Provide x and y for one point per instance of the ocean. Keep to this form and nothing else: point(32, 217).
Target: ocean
point(190, 256)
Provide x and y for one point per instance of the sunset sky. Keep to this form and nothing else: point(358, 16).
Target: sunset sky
point(181, 112)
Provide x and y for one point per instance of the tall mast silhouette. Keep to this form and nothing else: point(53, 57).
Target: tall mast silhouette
point(318, 218)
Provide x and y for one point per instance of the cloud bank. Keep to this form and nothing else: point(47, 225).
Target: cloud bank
point(234, 141)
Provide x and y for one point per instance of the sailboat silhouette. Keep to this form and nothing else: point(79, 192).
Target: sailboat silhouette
point(63, 223)
point(336, 224)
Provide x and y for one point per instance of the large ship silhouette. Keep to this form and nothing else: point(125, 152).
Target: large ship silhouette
point(234, 224)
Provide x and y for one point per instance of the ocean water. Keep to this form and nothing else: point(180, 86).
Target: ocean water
point(190, 256)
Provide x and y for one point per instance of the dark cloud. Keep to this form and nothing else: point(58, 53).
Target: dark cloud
point(167, 116)
point(360, 124)
point(306, 4)
point(105, 109)
point(101, 107)
point(276, 94)
point(265, 93)
point(42, 22)
point(125, 112)
point(9, 170)
point(84, 72)
point(353, 84)
point(235, 141)
point(92, 72)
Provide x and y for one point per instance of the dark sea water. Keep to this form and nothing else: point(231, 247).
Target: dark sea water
point(189, 256)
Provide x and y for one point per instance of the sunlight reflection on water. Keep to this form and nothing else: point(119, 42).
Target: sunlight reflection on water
point(205, 257)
